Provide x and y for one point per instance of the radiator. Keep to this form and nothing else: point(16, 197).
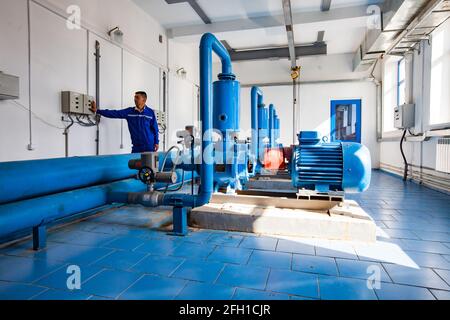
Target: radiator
point(443, 155)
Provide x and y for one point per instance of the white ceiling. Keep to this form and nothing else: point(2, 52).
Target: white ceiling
point(341, 36)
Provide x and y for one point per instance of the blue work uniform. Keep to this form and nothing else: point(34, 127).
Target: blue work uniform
point(143, 127)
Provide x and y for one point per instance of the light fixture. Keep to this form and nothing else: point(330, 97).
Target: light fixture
point(182, 72)
point(116, 34)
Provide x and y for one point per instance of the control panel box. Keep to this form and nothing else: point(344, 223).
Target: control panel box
point(161, 119)
point(9, 87)
point(87, 101)
point(76, 103)
point(404, 116)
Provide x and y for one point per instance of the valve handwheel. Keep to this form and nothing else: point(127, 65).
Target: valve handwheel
point(146, 175)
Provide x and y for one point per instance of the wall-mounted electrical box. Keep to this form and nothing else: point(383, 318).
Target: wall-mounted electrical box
point(87, 101)
point(161, 119)
point(77, 103)
point(404, 116)
point(9, 87)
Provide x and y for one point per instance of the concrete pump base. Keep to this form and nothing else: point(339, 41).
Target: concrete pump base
point(287, 217)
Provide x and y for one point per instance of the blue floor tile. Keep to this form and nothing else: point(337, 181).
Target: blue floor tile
point(292, 282)
point(444, 274)
point(81, 238)
point(441, 295)
point(66, 253)
point(424, 246)
point(244, 276)
point(58, 279)
point(271, 259)
point(61, 295)
point(422, 277)
point(334, 288)
point(120, 260)
point(314, 264)
point(250, 294)
point(338, 252)
point(158, 246)
point(295, 247)
point(192, 250)
point(199, 270)
point(205, 291)
point(230, 255)
point(13, 291)
point(125, 243)
point(361, 269)
point(260, 243)
point(25, 270)
point(110, 283)
point(390, 291)
point(158, 265)
point(197, 237)
point(429, 260)
point(227, 239)
point(154, 288)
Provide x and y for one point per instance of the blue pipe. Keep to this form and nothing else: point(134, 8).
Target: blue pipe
point(208, 45)
point(256, 100)
point(22, 180)
point(39, 211)
point(272, 126)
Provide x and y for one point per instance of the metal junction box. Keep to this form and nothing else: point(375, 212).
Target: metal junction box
point(87, 100)
point(77, 103)
point(9, 87)
point(404, 116)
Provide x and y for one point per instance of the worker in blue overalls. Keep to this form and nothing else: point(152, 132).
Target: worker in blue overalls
point(142, 123)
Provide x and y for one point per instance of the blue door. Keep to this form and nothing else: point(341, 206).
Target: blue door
point(346, 120)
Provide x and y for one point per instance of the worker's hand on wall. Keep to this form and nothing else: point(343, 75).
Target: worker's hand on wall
point(93, 107)
point(156, 147)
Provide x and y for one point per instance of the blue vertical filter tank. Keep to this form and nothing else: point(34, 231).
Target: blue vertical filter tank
point(324, 167)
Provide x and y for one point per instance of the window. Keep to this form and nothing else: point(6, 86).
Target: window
point(440, 76)
point(401, 83)
point(346, 120)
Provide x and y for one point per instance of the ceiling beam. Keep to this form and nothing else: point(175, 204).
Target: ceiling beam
point(194, 5)
point(278, 53)
point(269, 21)
point(325, 5)
point(287, 10)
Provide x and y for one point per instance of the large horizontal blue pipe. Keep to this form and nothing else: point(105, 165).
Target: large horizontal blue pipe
point(27, 179)
point(38, 211)
point(34, 212)
point(256, 100)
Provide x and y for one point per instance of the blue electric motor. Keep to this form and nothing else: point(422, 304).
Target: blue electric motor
point(335, 166)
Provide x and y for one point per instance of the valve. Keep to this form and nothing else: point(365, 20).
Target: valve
point(146, 175)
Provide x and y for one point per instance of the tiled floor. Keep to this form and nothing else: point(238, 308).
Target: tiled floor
point(121, 258)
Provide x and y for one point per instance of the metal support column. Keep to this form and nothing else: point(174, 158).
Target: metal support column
point(180, 225)
point(39, 237)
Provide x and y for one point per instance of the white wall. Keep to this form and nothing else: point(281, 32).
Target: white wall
point(63, 59)
point(314, 68)
point(315, 104)
point(420, 154)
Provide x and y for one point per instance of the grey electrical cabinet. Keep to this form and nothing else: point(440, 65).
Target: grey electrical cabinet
point(404, 116)
point(87, 101)
point(9, 87)
point(76, 103)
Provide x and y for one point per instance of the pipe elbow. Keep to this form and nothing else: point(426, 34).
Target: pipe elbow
point(209, 42)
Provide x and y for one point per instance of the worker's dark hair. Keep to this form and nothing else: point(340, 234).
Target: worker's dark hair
point(142, 93)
